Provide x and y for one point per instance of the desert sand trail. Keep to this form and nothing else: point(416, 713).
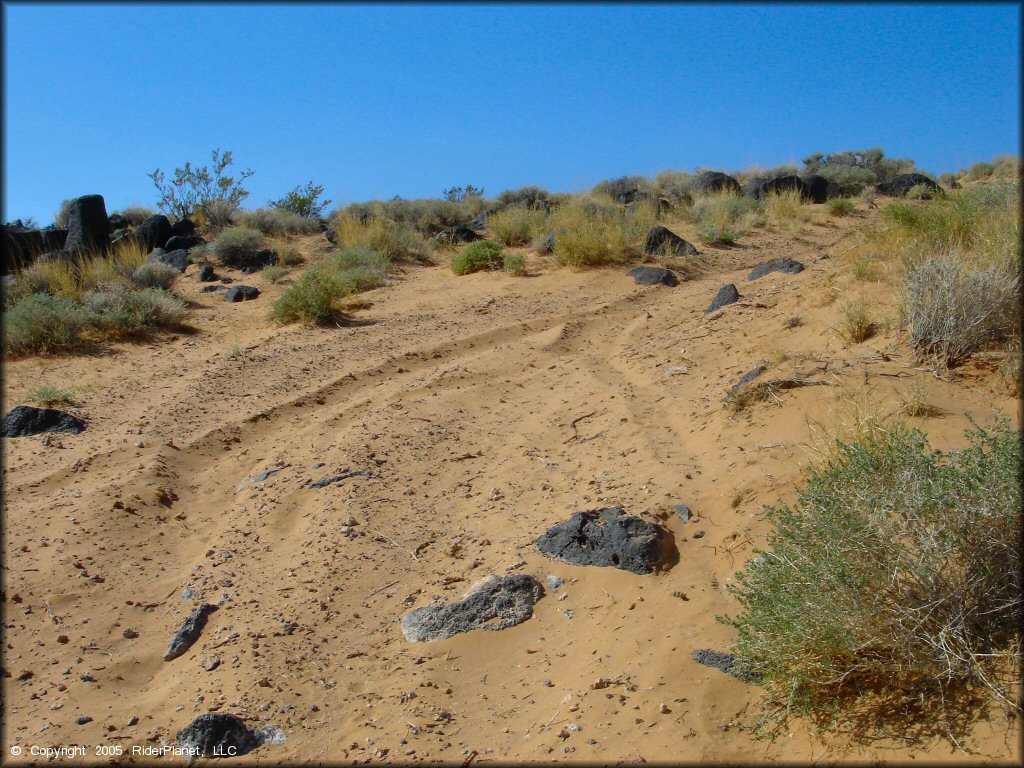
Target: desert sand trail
point(474, 413)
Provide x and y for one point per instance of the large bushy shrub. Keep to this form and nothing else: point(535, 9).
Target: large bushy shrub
point(41, 322)
point(483, 254)
point(236, 246)
point(897, 573)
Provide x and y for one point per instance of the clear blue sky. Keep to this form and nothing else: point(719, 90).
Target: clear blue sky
point(373, 101)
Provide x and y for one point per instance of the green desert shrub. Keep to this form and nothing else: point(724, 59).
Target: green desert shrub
point(596, 231)
point(953, 309)
point(313, 298)
point(41, 322)
point(839, 206)
point(483, 254)
point(674, 185)
point(303, 201)
point(154, 274)
point(276, 222)
point(725, 217)
point(392, 239)
point(50, 397)
point(516, 224)
point(236, 246)
point(612, 188)
point(894, 579)
point(514, 264)
point(274, 273)
point(120, 311)
point(529, 197)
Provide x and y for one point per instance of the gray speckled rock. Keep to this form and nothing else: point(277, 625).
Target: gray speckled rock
point(653, 276)
point(189, 631)
point(727, 294)
point(776, 265)
point(508, 600)
point(747, 377)
point(725, 662)
point(219, 734)
point(607, 537)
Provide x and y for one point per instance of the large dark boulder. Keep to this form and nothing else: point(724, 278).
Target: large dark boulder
point(653, 276)
point(189, 631)
point(820, 189)
point(21, 246)
point(238, 293)
point(177, 259)
point(608, 537)
point(711, 182)
point(117, 221)
point(88, 227)
point(174, 242)
point(206, 273)
point(492, 603)
point(727, 294)
point(899, 185)
point(782, 184)
point(183, 227)
point(752, 188)
point(776, 265)
point(661, 239)
point(24, 420)
point(458, 234)
point(154, 232)
point(219, 734)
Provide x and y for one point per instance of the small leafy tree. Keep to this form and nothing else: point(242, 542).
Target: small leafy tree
point(457, 194)
point(205, 189)
point(303, 201)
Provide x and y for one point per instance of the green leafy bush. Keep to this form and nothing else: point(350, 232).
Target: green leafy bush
point(236, 246)
point(895, 578)
point(41, 322)
point(204, 190)
point(483, 254)
point(303, 201)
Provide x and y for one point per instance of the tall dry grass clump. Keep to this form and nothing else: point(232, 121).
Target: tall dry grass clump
point(725, 217)
point(376, 230)
point(593, 231)
point(517, 224)
point(892, 584)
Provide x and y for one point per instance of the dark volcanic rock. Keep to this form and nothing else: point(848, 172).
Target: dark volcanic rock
point(782, 184)
point(241, 293)
point(183, 228)
point(788, 266)
point(154, 232)
point(653, 276)
point(177, 259)
point(725, 662)
point(212, 288)
point(548, 246)
point(117, 221)
point(753, 187)
point(189, 631)
point(899, 185)
point(174, 242)
point(24, 420)
point(819, 189)
point(663, 239)
point(727, 294)
point(258, 261)
point(226, 734)
point(710, 182)
point(458, 234)
point(88, 228)
point(21, 245)
point(608, 537)
point(206, 273)
point(508, 600)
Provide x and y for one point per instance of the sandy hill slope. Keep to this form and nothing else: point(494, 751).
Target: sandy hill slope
point(466, 415)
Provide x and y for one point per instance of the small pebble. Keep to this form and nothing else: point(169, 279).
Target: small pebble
point(83, 719)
